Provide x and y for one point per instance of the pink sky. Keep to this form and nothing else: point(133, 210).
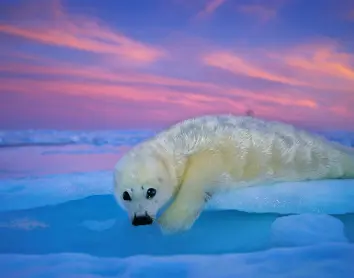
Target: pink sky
point(113, 64)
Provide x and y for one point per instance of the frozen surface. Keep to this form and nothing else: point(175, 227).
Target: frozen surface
point(325, 261)
point(108, 137)
point(95, 225)
point(327, 196)
point(58, 218)
point(307, 229)
point(55, 137)
point(22, 193)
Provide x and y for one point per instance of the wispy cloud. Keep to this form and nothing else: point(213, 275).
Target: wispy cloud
point(161, 99)
point(83, 33)
point(264, 13)
point(99, 74)
point(210, 7)
point(312, 65)
point(325, 61)
point(132, 85)
point(236, 64)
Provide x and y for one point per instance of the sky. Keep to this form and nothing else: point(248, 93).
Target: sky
point(126, 64)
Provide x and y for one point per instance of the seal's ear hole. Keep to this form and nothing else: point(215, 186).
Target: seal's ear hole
point(160, 180)
point(126, 196)
point(150, 193)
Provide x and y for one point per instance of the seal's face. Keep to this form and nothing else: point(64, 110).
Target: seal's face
point(141, 206)
point(142, 186)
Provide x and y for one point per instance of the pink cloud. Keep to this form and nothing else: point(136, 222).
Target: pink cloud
point(161, 100)
point(324, 60)
point(201, 93)
point(316, 75)
point(99, 74)
point(311, 65)
point(83, 33)
point(159, 106)
point(236, 64)
point(156, 106)
point(137, 86)
point(306, 81)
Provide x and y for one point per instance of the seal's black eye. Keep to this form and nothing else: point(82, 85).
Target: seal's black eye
point(126, 196)
point(150, 193)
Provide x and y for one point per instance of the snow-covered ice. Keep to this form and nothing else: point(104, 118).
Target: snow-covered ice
point(325, 261)
point(330, 196)
point(16, 138)
point(307, 229)
point(325, 196)
point(58, 218)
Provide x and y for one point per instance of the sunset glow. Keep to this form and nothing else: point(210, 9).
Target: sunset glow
point(147, 64)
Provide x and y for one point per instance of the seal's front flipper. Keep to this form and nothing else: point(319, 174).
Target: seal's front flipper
point(183, 212)
point(192, 195)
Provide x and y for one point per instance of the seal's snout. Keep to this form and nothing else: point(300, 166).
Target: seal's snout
point(142, 220)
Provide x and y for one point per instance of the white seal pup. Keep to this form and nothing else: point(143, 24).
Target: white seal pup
point(190, 161)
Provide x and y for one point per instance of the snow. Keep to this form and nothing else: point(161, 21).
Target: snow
point(327, 196)
point(52, 189)
point(97, 225)
point(58, 218)
point(325, 261)
point(307, 229)
point(330, 196)
point(18, 138)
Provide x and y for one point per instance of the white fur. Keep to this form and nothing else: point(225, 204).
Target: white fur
point(195, 158)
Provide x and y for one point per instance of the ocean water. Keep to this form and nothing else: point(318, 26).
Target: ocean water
point(58, 218)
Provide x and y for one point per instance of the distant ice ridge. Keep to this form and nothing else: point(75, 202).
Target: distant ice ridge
point(112, 137)
point(330, 260)
point(55, 137)
point(326, 196)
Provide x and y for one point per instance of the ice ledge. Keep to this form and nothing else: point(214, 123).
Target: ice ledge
point(324, 196)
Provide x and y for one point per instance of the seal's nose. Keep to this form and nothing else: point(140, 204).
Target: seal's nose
point(142, 220)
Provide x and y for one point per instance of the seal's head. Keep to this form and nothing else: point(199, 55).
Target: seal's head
point(142, 184)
